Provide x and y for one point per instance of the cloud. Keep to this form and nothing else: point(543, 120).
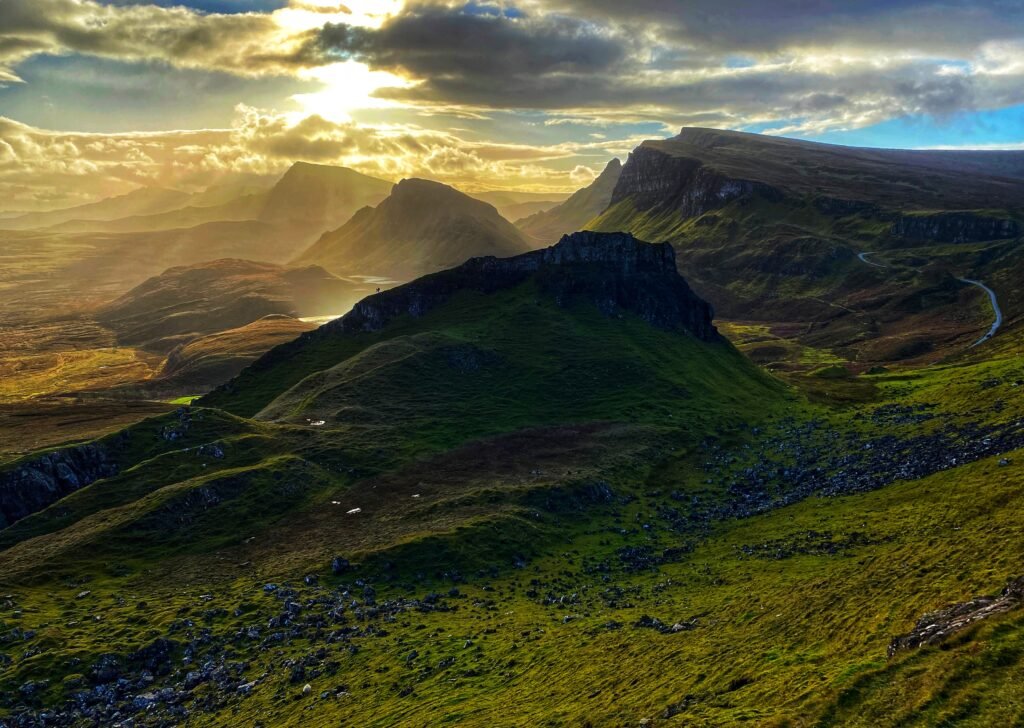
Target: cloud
point(806, 65)
point(532, 69)
point(249, 44)
point(42, 168)
point(435, 41)
point(952, 28)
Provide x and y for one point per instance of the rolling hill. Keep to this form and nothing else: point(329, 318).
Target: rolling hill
point(187, 302)
point(544, 480)
point(143, 201)
point(420, 228)
point(244, 208)
point(202, 363)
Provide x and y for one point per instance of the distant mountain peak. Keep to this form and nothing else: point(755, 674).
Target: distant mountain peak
point(422, 227)
point(305, 168)
point(321, 196)
point(583, 206)
point(418, 186)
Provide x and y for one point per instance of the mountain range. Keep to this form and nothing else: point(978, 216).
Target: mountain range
point(773, 230)
point(421, 227)
point(744, 447)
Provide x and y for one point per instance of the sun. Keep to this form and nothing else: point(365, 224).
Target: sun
point(347, 86)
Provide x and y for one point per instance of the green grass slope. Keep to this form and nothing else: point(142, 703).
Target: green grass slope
point(510, 579)
point(771, 229)
point(523, 509)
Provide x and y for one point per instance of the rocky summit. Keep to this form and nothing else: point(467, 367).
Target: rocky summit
point(613, 271)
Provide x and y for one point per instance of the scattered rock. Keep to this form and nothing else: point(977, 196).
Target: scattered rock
point(936, 627)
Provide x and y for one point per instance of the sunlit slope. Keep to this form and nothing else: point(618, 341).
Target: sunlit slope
point(422, 227)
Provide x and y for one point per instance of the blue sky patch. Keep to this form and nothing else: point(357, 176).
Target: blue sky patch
point(211, 6)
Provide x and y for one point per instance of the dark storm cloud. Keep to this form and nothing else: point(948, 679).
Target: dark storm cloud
point(435, 41)
point(753, 26)
point(812, 62)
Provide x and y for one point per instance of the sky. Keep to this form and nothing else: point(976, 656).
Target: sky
point(99, 97)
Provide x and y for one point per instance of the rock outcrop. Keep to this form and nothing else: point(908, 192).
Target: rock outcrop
point(33, 485)
point(935, 627)
point(654, 180)
point(613, 271)
point(955, 227)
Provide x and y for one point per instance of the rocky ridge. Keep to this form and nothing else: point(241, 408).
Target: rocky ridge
point(614, 271)
point(34, 484)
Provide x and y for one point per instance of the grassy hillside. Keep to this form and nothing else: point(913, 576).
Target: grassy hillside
point(184, 303)
point(590, 574)
point(513, 496)
point(771, 230)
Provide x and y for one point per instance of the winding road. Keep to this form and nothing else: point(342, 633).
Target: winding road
point(864, 259)
point(995, 309)
point(991, 297)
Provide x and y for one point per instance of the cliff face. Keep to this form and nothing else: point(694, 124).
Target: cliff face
point(703, 170)
point(613, 271)
point(654, 180)
point(955, 227)
point(36, 484)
